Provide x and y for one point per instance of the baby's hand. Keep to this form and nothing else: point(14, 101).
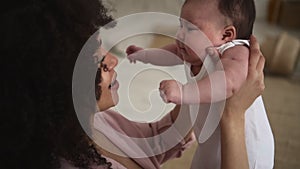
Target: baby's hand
point(170, 91)
point(131, 53)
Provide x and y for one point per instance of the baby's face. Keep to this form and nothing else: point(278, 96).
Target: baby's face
point(191, 43)
point(201, 26)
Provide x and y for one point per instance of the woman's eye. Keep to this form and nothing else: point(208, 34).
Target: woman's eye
point(104, 67)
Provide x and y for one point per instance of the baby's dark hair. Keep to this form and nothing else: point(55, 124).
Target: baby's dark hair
point(242, 14)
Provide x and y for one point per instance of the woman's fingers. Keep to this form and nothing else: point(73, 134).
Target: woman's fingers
point(255, 54)
point(256, 65)
point(261, 64)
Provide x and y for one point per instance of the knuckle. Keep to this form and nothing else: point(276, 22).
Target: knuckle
point(255, 52)
point(262, 86)
point(263, 58)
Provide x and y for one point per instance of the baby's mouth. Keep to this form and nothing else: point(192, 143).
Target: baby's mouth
point(182, 51)
point(181, 48)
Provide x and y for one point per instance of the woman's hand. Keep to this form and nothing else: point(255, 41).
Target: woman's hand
point(254, 84)
point(234, 153)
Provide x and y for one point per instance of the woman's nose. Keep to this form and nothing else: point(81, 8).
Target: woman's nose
point(111, 61)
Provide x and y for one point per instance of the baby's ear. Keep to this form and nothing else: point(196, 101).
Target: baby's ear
point(229, 33)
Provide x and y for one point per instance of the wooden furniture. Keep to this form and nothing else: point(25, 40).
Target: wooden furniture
point(284, 13)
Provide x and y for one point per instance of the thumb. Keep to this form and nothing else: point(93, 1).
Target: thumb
point(211, 51)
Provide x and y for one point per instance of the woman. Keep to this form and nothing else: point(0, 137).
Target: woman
point(42, 42)
point(234, 155)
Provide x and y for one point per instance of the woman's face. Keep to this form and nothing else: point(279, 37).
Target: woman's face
point(108, 86)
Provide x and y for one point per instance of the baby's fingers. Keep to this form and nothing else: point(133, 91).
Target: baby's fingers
point(130, 49)
point(163, 90)
point(163, 96)
point(162, 84)
point(132, 58)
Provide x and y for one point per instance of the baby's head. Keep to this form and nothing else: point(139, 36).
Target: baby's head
point(241, 14)
point(221, 20)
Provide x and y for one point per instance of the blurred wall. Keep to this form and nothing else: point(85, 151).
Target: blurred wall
point(121, 8)
point(261, 9)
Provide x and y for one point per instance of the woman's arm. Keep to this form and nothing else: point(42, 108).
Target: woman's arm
point(234, 153)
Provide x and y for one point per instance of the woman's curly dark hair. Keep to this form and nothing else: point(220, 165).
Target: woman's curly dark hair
point(41, 42)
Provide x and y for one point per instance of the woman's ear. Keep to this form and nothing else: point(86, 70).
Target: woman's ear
point(229, 33)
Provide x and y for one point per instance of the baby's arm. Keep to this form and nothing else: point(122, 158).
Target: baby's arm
point(166, 56)
point(235, 66)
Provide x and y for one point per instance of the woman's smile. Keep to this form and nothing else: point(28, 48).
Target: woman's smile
point(114, 85)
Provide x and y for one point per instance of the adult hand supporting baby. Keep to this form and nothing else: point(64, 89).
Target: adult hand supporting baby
point(254, 81)
point(234, 152)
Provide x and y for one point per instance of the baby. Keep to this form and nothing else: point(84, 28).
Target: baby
point(228, 25)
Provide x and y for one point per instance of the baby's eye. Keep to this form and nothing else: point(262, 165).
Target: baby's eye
point(192, 28)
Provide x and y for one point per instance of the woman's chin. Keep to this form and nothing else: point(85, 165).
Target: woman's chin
point(115, 98)
point(114, 93)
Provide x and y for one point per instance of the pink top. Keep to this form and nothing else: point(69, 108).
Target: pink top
point(64, 164)
point(119, 124)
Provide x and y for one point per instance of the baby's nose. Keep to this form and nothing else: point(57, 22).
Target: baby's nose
point(180, 34)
